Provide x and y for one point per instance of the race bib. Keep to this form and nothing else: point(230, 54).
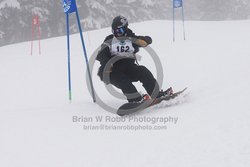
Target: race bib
point(121, 48)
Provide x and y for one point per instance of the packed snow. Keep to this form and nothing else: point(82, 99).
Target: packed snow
point(209, 127)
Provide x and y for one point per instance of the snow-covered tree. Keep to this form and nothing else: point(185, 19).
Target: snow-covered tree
point(16, 15)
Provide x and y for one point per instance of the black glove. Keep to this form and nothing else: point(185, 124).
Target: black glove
point(148, 39)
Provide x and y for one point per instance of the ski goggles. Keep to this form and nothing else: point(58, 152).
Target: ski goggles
point(120, 31)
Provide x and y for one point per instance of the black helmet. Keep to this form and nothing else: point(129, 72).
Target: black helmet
point(119, 25)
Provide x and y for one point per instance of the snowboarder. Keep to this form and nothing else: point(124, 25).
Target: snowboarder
point(118, 62)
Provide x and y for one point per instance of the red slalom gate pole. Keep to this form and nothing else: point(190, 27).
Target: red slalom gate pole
point(35, 23)
point(32, 37)
point(39, 35)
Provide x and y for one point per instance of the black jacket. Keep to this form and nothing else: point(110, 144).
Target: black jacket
point(105, 54)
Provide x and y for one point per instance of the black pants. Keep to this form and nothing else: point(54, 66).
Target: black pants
point(124, 80)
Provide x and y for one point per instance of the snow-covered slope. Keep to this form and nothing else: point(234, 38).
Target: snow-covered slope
point(212, 123)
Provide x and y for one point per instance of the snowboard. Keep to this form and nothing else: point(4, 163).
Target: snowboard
point(129, 108)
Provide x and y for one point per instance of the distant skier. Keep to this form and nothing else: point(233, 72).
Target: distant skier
point(117, 59)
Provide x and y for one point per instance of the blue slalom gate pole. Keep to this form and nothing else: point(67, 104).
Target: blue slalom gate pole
point(173, 22)
point(85, 55)
point(69, 71)
point(70, 6)
point(178, 4)
point(183, 20)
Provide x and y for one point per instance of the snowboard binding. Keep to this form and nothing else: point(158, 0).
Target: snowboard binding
point(129, 108)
